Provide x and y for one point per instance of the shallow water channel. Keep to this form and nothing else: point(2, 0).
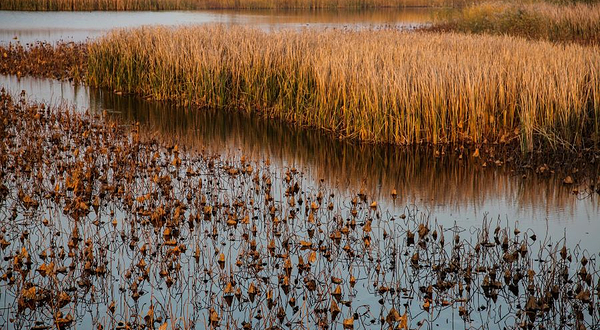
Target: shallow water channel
point(458, 194)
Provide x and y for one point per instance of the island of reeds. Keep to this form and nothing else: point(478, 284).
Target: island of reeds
point(377, 86)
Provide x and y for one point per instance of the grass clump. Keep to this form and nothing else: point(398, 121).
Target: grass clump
point(559, 22)
point(376, 86)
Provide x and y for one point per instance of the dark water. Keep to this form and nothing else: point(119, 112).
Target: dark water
point(452, 191)
point(78, 26)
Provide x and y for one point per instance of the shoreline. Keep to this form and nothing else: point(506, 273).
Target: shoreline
point(72, 60)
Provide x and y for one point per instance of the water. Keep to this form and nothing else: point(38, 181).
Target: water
point(29, 27)
point(336, 169)
point(451, 190)
point(447, 190)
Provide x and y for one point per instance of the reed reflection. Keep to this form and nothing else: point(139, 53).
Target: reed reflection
point(447, 180)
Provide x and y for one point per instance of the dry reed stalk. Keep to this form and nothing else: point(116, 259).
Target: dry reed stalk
point(376, 86)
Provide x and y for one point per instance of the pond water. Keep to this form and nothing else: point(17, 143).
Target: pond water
point(28, 27)
point(446, 193)
point(451, 191)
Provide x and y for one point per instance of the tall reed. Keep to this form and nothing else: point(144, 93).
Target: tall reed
point(555, 22)
point(377, 86)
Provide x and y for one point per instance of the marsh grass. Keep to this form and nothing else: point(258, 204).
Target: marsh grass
point(560, 22)
point(375, 86)
point(84, 5)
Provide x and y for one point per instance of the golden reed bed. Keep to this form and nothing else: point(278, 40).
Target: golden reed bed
point(376, 86)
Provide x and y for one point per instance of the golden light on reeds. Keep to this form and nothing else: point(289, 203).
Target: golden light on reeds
point(376, 86)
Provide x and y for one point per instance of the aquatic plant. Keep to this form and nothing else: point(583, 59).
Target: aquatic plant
point(380, 86)
point(63, 60)
point(101, 226)
point(539, 20)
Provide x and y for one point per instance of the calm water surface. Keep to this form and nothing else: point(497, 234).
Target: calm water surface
point(79, 26)
point(452, 191)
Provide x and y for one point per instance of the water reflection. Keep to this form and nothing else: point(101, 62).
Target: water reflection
point(48, 91)
point(453, 190)
point(79, 26)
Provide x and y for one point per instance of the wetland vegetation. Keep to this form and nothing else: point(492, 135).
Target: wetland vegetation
point(52, 5)
point(132, 5)
point(102, 223)
point(122, 220)
point(576, 22)
point(62, 61)
point(375, 86)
